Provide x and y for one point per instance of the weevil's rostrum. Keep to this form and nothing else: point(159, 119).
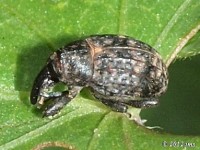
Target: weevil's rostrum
point(119, 70)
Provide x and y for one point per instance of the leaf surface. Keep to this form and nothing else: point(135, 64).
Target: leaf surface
point(32, 30)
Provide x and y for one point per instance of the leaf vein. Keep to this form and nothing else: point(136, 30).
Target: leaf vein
point(171, 23)
point(90, 143)
point(182, 43)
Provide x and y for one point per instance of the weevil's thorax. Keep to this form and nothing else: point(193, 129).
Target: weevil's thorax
point(73, 64)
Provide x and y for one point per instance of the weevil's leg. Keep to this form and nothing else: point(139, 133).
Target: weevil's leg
point(143, 103)
point(59, 102)
point(115, 105)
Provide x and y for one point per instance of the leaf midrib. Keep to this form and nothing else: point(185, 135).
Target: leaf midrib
point(171, 23)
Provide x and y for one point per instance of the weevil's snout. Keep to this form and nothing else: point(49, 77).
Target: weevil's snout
point(45, 79)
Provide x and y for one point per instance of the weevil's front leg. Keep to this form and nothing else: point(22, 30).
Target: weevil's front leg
point(58, 102)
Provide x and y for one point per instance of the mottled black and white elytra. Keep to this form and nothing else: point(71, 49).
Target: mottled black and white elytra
point(119, 70)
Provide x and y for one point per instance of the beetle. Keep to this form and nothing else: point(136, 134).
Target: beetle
point(120, 71)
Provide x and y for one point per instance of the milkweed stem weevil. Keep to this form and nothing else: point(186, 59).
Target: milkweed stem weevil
point(119, 70)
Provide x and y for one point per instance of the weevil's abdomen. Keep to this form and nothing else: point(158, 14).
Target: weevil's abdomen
point(128, 68)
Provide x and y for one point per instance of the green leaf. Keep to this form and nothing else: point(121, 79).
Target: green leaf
point(32, 30)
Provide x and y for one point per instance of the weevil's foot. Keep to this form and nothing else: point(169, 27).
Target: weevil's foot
point(50, 111)
point(41, 102)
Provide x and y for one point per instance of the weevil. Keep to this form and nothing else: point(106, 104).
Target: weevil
point(119, 70)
